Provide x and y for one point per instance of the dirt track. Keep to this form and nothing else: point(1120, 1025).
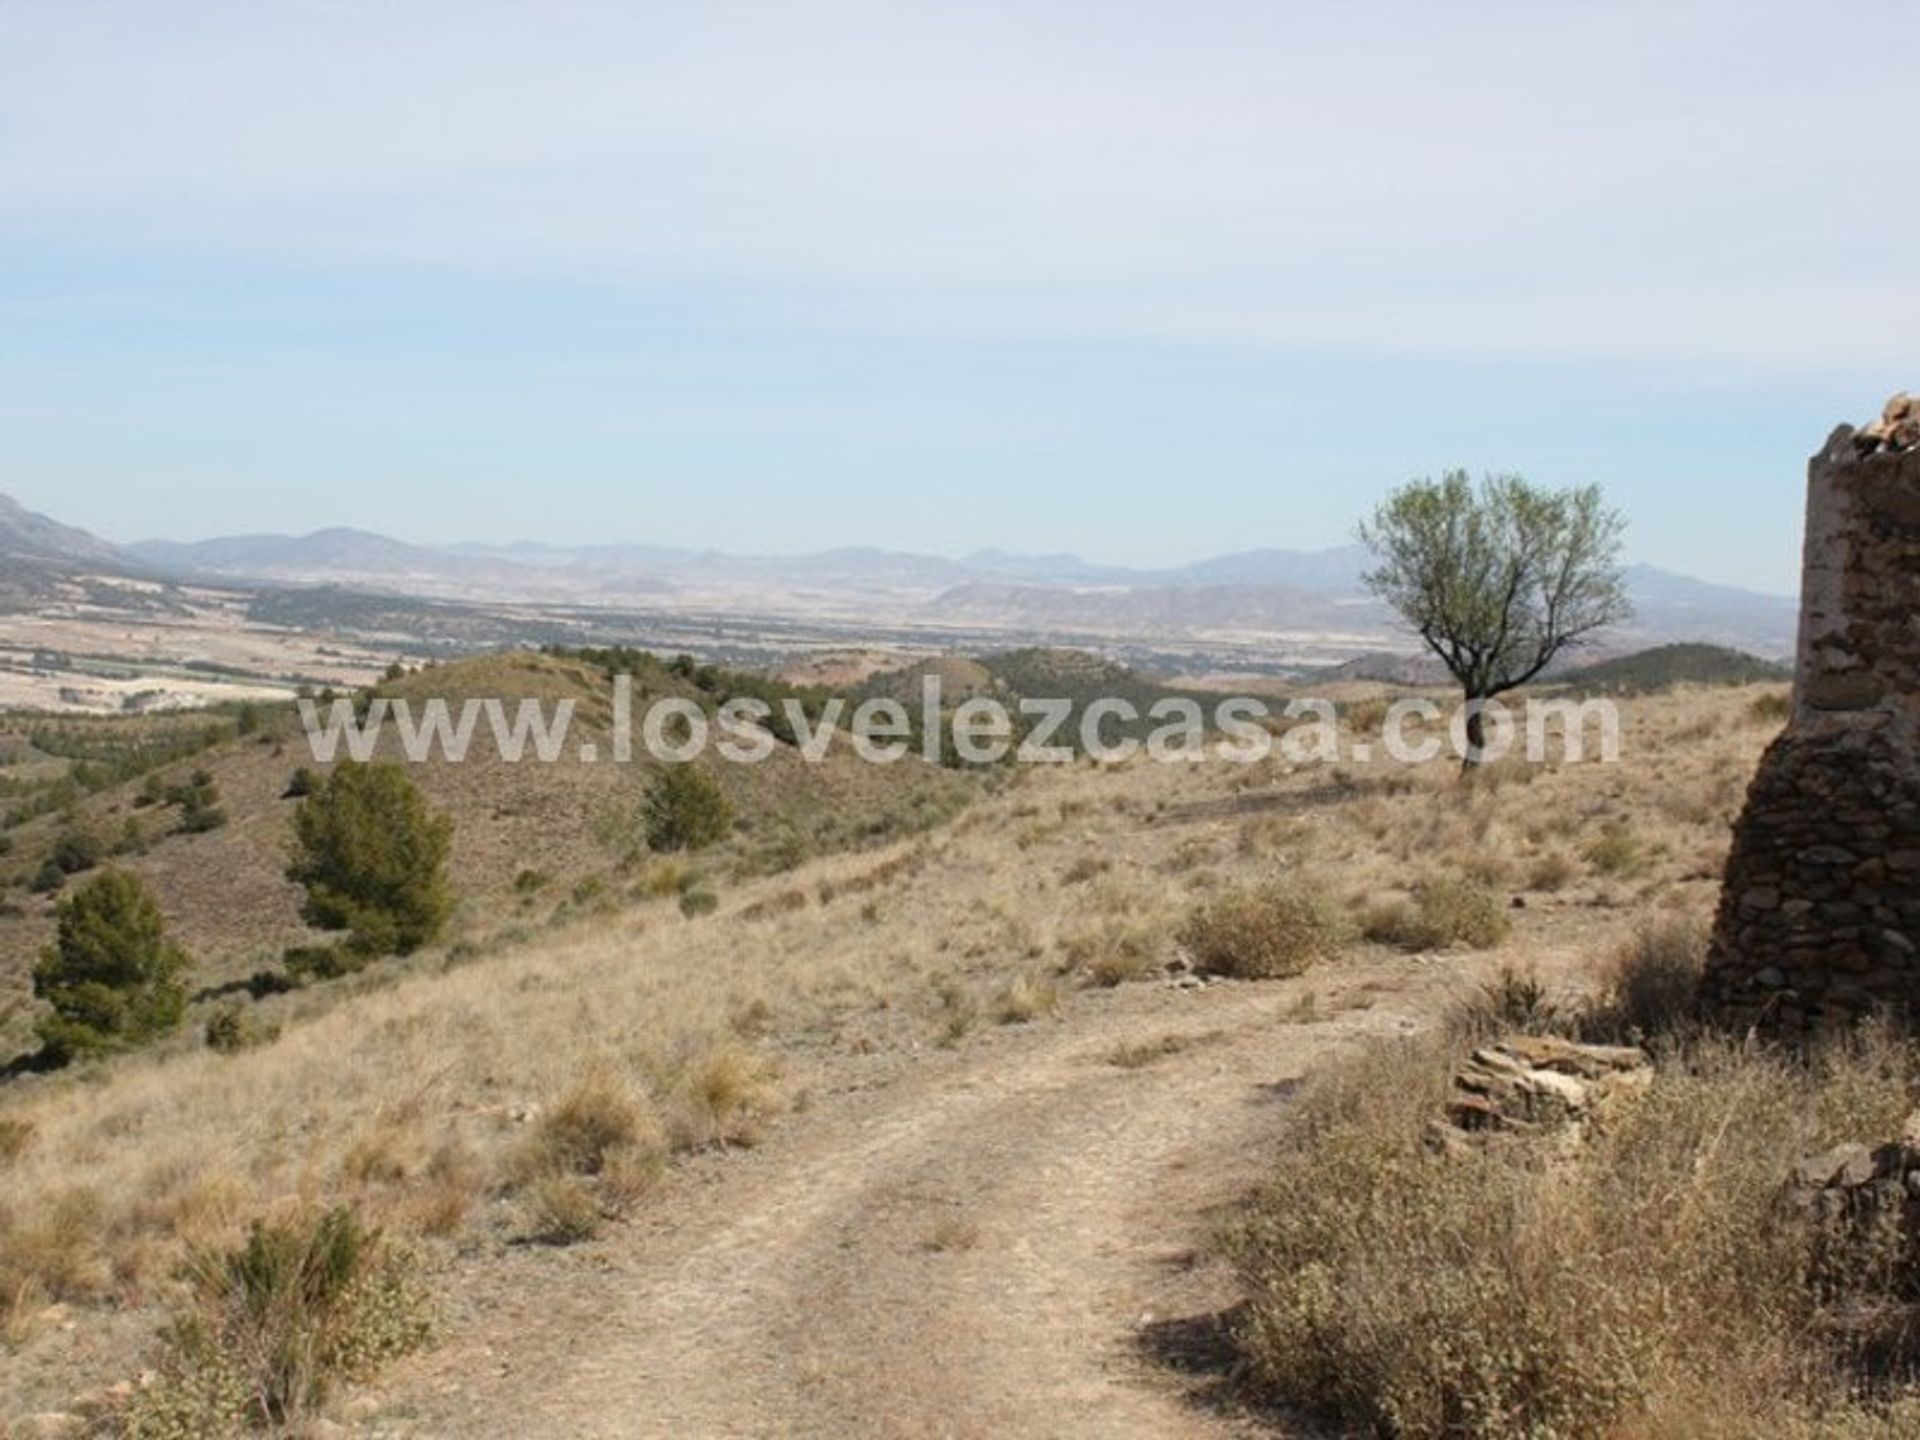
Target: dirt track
point(973, 1245)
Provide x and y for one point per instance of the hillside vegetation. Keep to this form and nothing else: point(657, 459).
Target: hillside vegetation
point(201, 808)
point(542, 1083)
point(1666, 666)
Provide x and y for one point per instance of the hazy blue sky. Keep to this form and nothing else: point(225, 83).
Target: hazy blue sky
point(1144, 281)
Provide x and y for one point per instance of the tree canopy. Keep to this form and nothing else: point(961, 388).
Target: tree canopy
point(1498, 579)
point(111, 976)
point(372, 857)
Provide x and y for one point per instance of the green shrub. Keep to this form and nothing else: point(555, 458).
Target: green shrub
point(373, 860)
point(302, 783)
point(1442, 913)
point(111, 975)
point(48, 878)
point(1275, 931)
point(76, 852)
point(273, 1326)
point(699, 901)
point(685, 809)
point(307, 963)
point(232, 1028)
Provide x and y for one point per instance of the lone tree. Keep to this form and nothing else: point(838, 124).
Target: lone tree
point(1497, 579)
point(373, 859)
point(111, 975)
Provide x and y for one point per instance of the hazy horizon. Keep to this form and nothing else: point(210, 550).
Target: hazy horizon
point(1105, 280)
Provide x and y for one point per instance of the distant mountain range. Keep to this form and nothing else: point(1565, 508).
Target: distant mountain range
point(1279, 593)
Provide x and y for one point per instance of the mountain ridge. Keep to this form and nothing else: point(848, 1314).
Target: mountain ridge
point(1262, 590)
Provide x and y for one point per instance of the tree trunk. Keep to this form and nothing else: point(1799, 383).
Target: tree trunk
point(1476, 734)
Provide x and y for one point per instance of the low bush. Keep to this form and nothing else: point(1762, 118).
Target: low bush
point(309, 963)
point(1617, 851)
point(232, 1028)
point(1553, 871)
point(1441, 913)
point(273, 1326)
point(76, 852)
point(600, 1118)
point(1269, 933)
point(561, 1210)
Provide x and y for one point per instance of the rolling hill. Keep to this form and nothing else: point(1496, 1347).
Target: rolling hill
point(531, 839)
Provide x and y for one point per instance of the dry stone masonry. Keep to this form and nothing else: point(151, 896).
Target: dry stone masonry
point(1820, 917)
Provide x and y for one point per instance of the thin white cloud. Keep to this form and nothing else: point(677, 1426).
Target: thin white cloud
point(1638, 180)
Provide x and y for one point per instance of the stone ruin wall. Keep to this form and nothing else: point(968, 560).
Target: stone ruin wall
point(1819, 918)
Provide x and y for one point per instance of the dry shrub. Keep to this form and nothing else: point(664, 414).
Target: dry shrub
point(667, 877)
point(1115, 951)
point(1480, 1295)
point(1552, 872)
point(560, 1210)
point(437, 1201)
point(1441, 913)
point(1617, 852)
point(1514, 1000)
point(1278, 930)
point(1773, 707)
point(1648, 991)
point(1084, 869)
point(784, 902)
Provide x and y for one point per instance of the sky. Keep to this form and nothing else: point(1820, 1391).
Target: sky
point(1145, 282)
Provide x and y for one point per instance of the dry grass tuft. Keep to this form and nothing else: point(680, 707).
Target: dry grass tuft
point(1025, 999)
point(722, 1094)
point(1116, 951)
point(602, 1115)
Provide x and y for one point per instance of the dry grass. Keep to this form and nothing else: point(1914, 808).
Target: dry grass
point(1025, 999)
point(1485, 1296)
point(1115, 951)
point(1138, 1054)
